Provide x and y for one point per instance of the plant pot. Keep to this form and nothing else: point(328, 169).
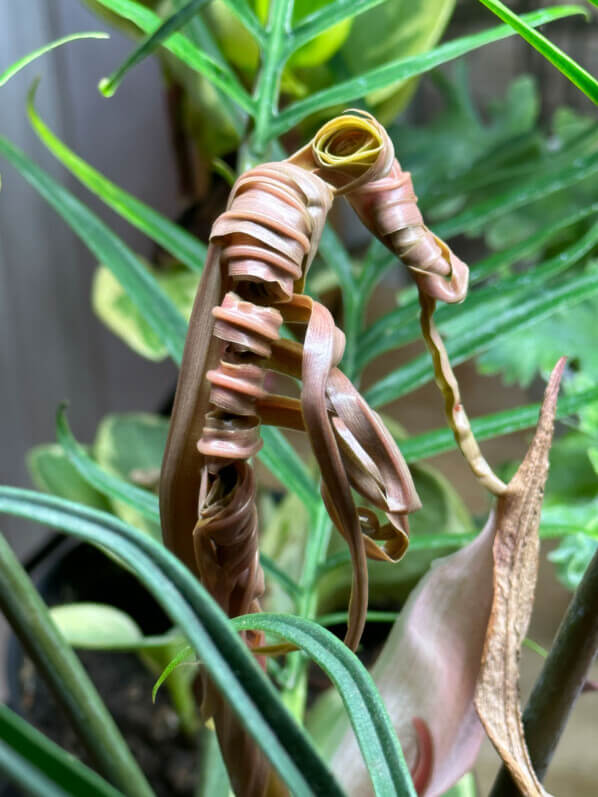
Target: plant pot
point(68, 571)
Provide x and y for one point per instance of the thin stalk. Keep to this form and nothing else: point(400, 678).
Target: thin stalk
point(295, 694)
point(66, 676)
point(561, 680)
point(266, 89)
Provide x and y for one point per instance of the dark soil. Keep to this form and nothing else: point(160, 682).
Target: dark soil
point(166, 756)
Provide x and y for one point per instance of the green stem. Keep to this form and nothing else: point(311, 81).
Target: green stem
point(295, 694)
point(66, 676)
point(266, 89)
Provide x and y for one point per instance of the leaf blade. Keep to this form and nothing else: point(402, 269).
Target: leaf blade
point(12, 70)
point(402, 69)
point(179, 45)
point(573, 71)
point(185, 247)
point(207, 628)
point(141, 286)
point(376, 736)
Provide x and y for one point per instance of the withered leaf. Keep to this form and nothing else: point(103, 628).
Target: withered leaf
point(515, 551)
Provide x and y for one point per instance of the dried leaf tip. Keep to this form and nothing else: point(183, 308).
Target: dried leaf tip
point(515, 551)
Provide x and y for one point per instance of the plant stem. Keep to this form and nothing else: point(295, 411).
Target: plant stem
point(66, 676)
point(295, 695)
point(561, 680)
point(266, 89)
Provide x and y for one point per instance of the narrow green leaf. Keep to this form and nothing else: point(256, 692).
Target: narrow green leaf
point(524, 193)
point(217, 73)
point(183, 655)
point(52, 762)
point(376, 736)
point(183, 246)
point(325, 17)
point(336, 618)
point(64, 673)
point(283, 461)
point(394, 329)
point(32, 56)
point(497, 424)
point(18, 770)
point(529, 311)
point(143, 289)
point(404, 68)
point(167, 28)
point(108, 484)
point(573, 71)
point(245, 14)
point(184, 599)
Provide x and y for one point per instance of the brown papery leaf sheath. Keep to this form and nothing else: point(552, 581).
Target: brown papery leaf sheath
point(260, 250)
point(515, 552)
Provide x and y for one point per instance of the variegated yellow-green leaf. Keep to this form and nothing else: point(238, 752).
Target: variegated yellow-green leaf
point(394, 29)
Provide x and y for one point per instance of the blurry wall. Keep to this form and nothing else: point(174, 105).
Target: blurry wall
point(51, 346)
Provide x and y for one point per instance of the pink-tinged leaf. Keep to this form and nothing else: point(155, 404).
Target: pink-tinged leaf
point(428, 670)
point(515, 551)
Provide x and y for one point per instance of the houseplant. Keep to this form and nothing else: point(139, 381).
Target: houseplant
point(162, 328)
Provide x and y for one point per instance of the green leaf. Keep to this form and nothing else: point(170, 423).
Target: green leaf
point(182, 656)
point(283, 461)
point(528, 312)
point(564, 63)
point(95, 626)
point(118, 312)
point(529, 190)
point(217, 73)
point(32, 56)
point(466, 787)
point(167, 28)
point(376, 736)
point(404, 68)
point(101, 478)
point(183, 246)
point(497, 424)
point(130, 446)
point(63, 672)
point(563, 332)
point(322, 19)
point(572, 558)
point(141, 286)
point(396, 29)
point(52, 472)
point(223, 654)
point(40, 767)
point(394, 329)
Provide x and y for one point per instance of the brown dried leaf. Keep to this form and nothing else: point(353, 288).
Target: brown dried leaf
point(515, 554)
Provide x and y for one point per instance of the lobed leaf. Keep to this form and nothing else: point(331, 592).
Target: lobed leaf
point(419, 370)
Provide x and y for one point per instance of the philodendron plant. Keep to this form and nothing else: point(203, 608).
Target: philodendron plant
point(179, 502)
